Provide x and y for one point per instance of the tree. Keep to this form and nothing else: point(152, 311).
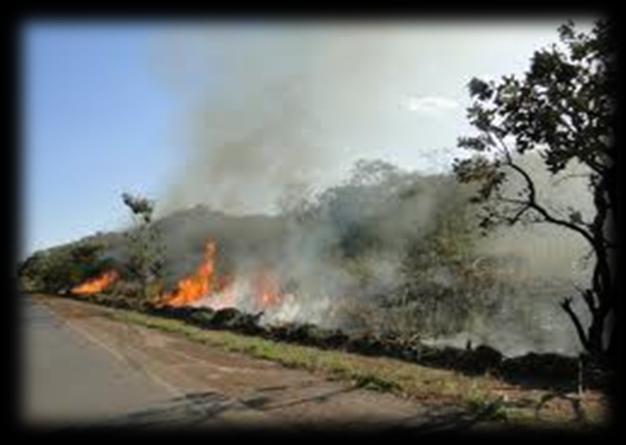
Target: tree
point(60, 268)
point(145, 261)
point(382, 219)
point(562, 109)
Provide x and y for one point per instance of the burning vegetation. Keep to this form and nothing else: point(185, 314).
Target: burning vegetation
point(206, 288)
point(97, 284)
point(198, 285)
point(387, 251)
point(337, 260)
point(389, 261)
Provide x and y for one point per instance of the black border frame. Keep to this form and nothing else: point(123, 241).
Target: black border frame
point(387, 11)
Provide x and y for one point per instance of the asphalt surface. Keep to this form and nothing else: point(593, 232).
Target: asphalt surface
point(72, 379)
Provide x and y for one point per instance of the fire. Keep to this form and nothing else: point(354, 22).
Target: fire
point(96, 284)
point(266, 290)
point(220, 290)
point(226, 294)
point(197, 285)
point(262, 287)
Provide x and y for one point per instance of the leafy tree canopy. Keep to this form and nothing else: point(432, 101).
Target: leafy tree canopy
point(563, 109)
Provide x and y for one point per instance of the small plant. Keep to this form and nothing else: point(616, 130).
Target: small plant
point(487, 410)
point(375, 383)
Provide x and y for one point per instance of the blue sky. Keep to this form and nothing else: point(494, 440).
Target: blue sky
point(95, 125)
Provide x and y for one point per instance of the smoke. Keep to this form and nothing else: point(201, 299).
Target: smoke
point(554, 262)
point(338, 255)
point(273, 117)
point(276, 107)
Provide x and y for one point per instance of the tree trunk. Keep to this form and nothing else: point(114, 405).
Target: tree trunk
point(595, 335)
point(614, 346)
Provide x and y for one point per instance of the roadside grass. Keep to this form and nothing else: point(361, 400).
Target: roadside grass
point(488, 398)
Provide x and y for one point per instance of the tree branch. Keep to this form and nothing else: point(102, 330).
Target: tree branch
point(532, 201)
point(570, 176)
point(518, 215)
point(566, 304)
point(587, 296)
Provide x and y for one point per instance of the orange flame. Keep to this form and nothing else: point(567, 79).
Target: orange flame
point(197, 285)
point(266, 290)
point(204, 283)
point(96, 284)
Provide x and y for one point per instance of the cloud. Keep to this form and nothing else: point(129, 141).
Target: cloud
point(429, 104)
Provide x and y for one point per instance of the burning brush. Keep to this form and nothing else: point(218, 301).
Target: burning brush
point(97, 284)
point(219, 291)
point(204, 286)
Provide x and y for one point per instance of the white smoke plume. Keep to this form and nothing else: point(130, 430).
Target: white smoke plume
point(274, 106)
point(280, 113)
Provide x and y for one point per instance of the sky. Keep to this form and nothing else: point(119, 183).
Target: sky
point(112, 108)
point(95, 125)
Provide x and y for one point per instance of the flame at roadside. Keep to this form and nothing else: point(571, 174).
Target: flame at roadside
point(196, 286)
point(205, 287)
point(97, 284)
point(266, 290)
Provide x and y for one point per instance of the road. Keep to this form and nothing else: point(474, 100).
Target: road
point(82, 368)
point(69, 377)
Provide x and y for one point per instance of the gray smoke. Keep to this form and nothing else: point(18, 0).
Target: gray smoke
point(273, 114)
point(272, 107)
point(554, 262)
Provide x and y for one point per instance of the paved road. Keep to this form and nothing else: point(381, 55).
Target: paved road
point(74, 379)
point(82, 368)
